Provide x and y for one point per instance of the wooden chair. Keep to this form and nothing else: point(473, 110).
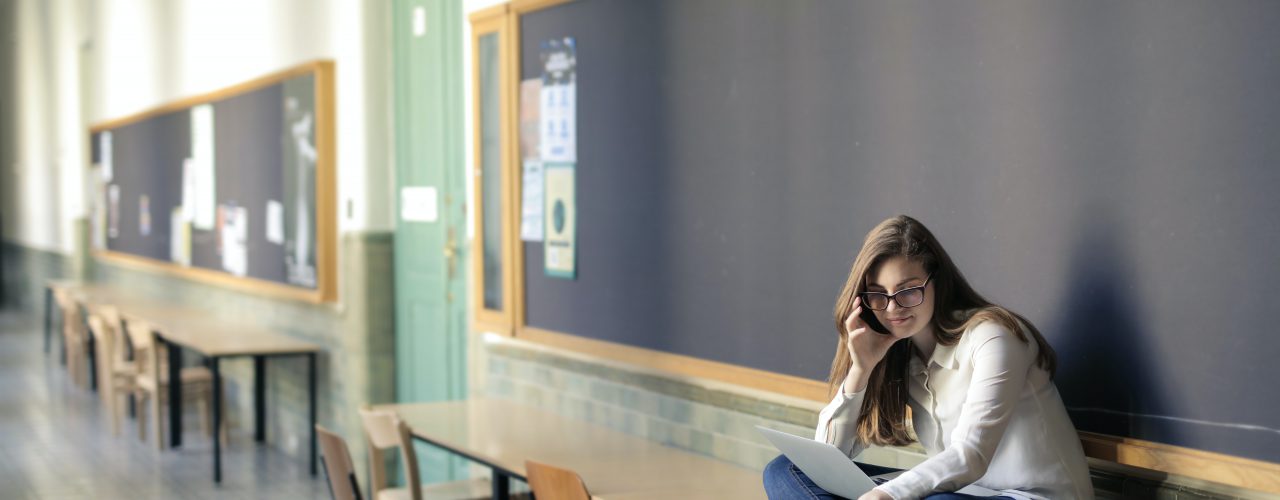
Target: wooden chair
point(549, 482)
point(117, 377)
point(74, 337)
point(336, 461)
point(384, 431)
point(152, 384)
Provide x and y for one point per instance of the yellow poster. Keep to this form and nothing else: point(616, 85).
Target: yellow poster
point(560, 221)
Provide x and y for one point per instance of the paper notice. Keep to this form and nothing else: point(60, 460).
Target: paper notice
point(113, 211)
point(179, 238)
point(419, 204)
point(275, 222)
point(560, 244)
point(144, 215)
point(531, 208)
point(557, 114)
point(104, 155)
point(204, 213)
point(235, 239)
point(530, 102)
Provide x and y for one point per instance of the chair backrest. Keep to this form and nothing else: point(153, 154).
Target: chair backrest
point(147, 353)
point(111, 317)
point(338, 467)
point(104, 343)
point(549, 482)
point(104, 325)
point(385, 430)
point(72, 320)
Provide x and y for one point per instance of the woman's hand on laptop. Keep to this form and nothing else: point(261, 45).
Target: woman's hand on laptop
point(876, 494)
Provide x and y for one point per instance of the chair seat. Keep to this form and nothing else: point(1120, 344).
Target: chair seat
point(190, 375)
point(455, 490)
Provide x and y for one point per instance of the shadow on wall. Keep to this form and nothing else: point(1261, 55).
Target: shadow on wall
point(4, 292)
point(1105, 368)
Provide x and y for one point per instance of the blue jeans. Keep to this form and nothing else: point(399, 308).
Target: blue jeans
point(784, 481)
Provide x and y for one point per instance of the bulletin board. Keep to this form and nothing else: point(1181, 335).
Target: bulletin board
point(731, 157)
point(234, 187)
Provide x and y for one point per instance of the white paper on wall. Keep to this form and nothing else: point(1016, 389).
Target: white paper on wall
point(419, 204)
point(275, 222)
point(532, 206)
point(235, 239)
point(204, 213)
point(104, 155)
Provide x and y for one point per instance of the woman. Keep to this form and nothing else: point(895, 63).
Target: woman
point(977, 377)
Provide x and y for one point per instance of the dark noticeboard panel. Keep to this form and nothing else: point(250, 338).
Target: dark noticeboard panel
point(1108, 169)
point(264, 172)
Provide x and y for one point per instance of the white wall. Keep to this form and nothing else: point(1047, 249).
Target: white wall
point(138, 54)
point(39, 114)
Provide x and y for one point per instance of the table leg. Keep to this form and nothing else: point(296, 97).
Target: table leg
point(48, 316)
point(133, 402)
point(175, 395)
point(311, 391)
point(259, 399)
point(93, 362)
point(217, 420)
point(501, 485)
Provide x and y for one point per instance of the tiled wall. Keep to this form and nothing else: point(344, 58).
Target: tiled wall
point(24, 272)
point(715, 421)
point(719, 421)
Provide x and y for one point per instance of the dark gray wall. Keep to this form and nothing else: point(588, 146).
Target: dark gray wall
point(1105, 168)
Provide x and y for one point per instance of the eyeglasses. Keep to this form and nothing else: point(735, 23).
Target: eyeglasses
point(906, 297)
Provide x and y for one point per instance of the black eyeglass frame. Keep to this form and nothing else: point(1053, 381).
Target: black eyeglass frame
point(894, 296)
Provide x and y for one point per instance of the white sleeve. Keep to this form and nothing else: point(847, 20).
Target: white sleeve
point(838, 423)
point(1000, 366)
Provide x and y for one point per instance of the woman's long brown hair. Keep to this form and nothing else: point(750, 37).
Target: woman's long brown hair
point(957, 307)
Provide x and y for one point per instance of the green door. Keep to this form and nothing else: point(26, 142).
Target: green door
point(429, 260)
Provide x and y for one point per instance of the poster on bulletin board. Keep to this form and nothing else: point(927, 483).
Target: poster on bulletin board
point(558, 151)
point(557, 116)
point(560, 221)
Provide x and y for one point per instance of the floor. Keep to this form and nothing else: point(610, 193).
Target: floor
point(56, 443)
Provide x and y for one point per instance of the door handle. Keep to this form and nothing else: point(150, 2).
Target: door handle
point(451, 252)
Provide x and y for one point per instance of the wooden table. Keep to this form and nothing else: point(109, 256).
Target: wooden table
point(503, 434)
point(214, 339)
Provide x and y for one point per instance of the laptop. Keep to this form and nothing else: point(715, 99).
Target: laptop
point(831, 470)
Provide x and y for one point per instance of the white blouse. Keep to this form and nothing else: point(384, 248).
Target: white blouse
point(986, 415)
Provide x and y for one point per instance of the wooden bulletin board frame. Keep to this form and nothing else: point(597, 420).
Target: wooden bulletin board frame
point(666, 362)
point(326, 195)
point(1162, 458)
point(494, 21)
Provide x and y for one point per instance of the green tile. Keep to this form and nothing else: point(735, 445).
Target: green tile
point(727, 449)
point(675, 410)
point(606, 392)
point(801, 417)
point(700, 441)
point(659, 430)
point(577, 384)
